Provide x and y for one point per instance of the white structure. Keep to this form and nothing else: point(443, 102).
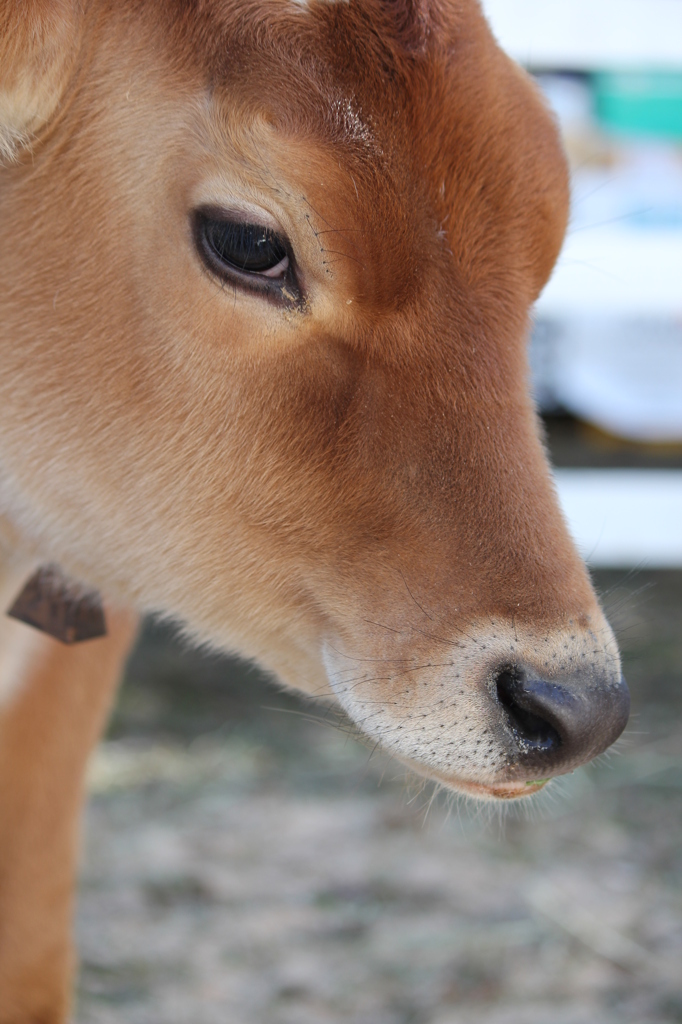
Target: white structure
point(624, 517)
point(588, 34)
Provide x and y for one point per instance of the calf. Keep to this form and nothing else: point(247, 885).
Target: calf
point(266, 275)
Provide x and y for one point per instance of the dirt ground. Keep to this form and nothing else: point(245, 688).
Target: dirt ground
point(246, 863)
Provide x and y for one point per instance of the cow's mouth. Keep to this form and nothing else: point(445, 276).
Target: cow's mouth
point(501, 791)
point(490, 792)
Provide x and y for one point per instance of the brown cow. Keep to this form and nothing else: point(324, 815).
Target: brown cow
point(266, 269)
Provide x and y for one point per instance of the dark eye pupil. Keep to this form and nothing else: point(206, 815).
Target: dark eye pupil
point(247, 247)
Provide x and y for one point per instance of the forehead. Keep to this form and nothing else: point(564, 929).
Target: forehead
point(345, 69)
point(423, 90)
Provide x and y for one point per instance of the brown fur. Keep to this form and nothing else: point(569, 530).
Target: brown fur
point(353, 481)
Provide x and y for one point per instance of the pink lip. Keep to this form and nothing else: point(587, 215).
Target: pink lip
point(503, 791)
point(510, 790)
point(482, 790)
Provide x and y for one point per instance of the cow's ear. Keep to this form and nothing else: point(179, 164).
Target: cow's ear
point(38, 45)
point(412, 22)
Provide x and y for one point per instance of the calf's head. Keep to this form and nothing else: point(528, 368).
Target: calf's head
point(267, 272)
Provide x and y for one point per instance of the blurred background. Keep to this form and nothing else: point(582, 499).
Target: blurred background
point(248, 860)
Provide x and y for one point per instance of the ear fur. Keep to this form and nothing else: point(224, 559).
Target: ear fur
point(38, 43)
point(412, 21)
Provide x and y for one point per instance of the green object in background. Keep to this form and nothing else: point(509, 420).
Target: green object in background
point(640, 103)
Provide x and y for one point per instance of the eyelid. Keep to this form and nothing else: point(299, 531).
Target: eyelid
point(240, 213)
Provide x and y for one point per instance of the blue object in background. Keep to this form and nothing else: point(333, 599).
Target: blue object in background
point(640, 103)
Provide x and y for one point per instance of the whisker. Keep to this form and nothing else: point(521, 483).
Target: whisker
point(423, 610)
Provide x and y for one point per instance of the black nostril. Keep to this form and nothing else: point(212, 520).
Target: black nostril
point(533, 732)
point(558, 726)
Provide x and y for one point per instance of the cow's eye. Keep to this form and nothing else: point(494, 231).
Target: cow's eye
point(247, 247)
point(245, 253)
